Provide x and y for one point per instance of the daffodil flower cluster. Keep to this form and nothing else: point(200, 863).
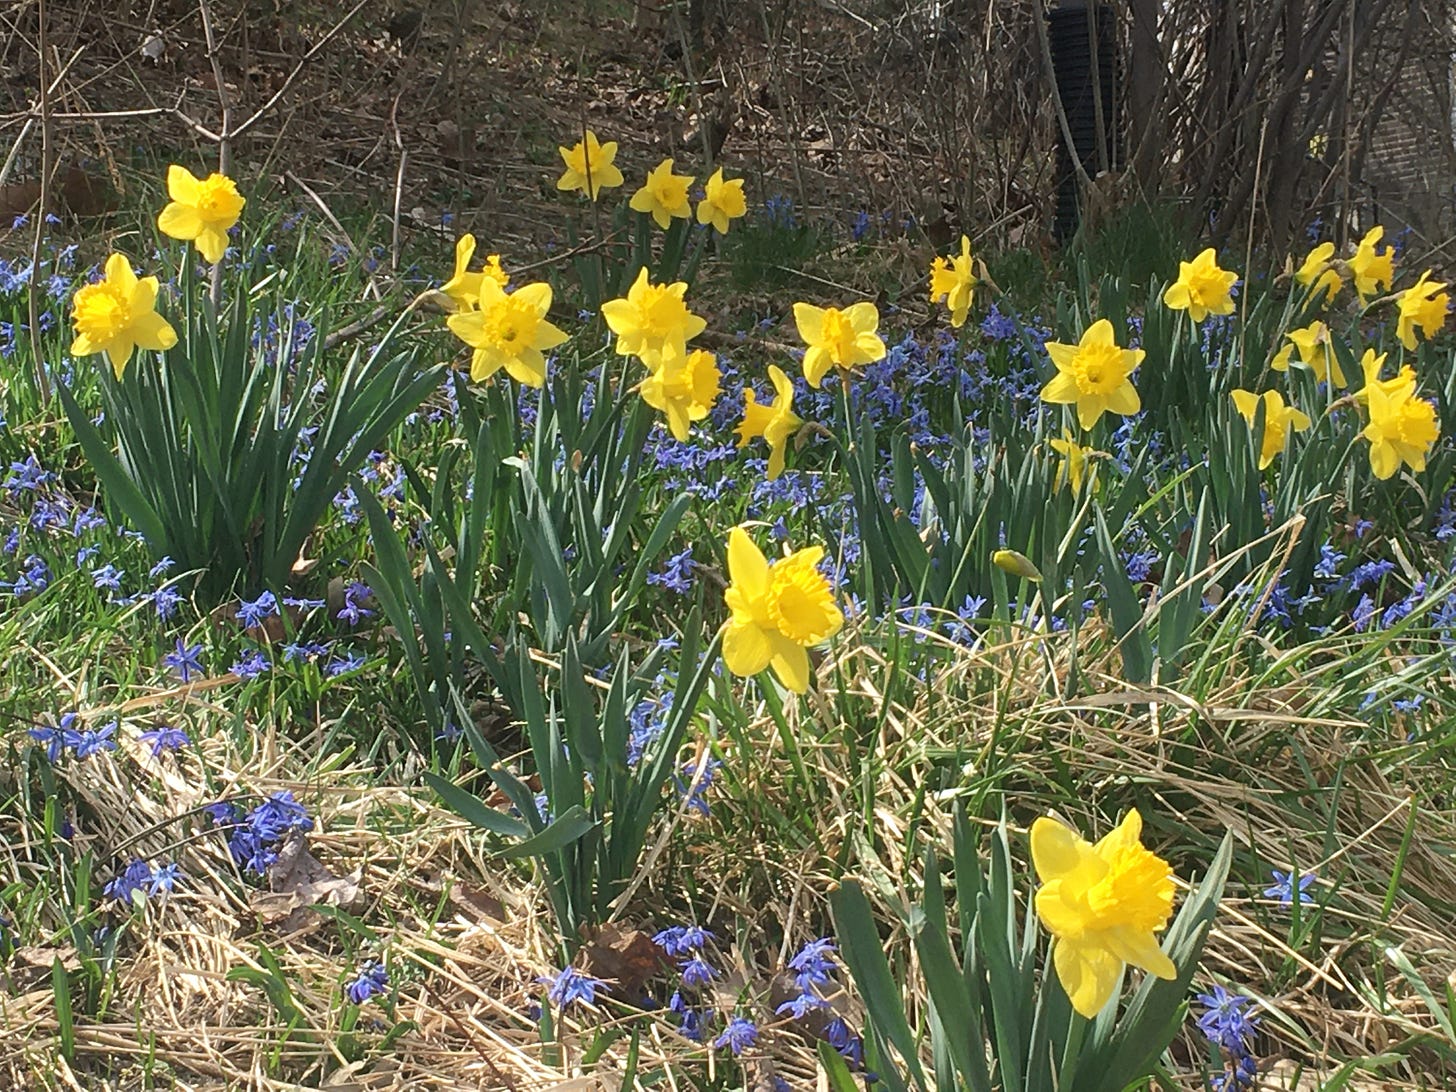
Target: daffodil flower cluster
point(118, 314)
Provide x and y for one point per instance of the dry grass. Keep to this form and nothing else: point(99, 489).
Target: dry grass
point(467, 936)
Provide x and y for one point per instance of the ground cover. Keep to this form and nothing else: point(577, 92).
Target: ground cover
point(387, 724)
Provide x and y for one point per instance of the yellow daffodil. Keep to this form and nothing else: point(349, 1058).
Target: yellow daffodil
point(1402, 427)
point(1017, 564)
point(664, 195)
point(1093, 375)
point(1102, 904)
point(1372, 270)
point(1202, 288)
point(1278, 420)
point(775, 422)
point(778, 611)
point(844, 338)
point(1423, 307)
point(589, 166)
point(118, 314)
point(652, 321)
point(954, 280)
point(201, 210)
point(1314, 347)
point(463, 287)
point(722, 201)
point(1074, 463)
point(509, 331)
point(1318, 273)
point(685, 390)
point(1370, 366)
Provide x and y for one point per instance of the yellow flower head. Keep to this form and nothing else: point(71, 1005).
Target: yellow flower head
point(777, 611)
point(1278, 420)
point(509, 331)
point(1093, 375)
point(664, 195)
point(463, 287)
point(1315, 349)
point(775, 422)
point(1423, 307)
point(652, 321)
point(1318, 273)
point(722, 201)
point(1372, 270)
point(201, 210)
point(1202, 288)
point(1017, 564)
point(845, 338)
point(1102, 903)
point(1402, 428)
point(685, 390)
point(1370, 366)
point(1075, 461)
point(589, 166)
point(118, 314)
point(953, 280)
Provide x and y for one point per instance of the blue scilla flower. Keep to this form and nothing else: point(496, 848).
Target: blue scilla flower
point(355, 596)
point(343, 665)
point(185, 660)
point(252, 664)
point(837, 1034)
point(94, 741)
point(677, 573)
point(802, 1005)
point(1285, 889)
point(696, 795)
point(164, 737)
point(571, 987)
point(166, 600)
point(740, 1034)
point(698, 972)
point(1224, 1020)
point(255, 612)
point(813, 964)
point(371, 979)
point(674, 940)
point(164, 879)
point(136, 876)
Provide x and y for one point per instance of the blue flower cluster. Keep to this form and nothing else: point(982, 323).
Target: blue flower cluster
point(370, 980)
point(66, 736)
point(255, 835)
point(688, 943)
point(814, 968)
point(572, 987)
point(141, 877)
point(1229, 1027)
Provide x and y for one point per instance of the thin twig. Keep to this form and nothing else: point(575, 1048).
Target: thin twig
point(398, 185)
point(273, 100)
point(42, 381)
point(32, 116)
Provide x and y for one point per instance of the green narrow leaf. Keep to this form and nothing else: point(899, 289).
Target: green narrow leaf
point(474, 810)
point(859, 944)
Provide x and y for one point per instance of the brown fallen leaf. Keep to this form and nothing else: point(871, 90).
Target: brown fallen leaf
point(298, 880)
point(627, 958)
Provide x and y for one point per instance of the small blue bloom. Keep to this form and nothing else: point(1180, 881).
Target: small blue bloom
point(163, 737)
point(571, 987)
point(185, 660)
point(740, 1034)
point(372, 979)
point(1284, 890)
point(698, 972)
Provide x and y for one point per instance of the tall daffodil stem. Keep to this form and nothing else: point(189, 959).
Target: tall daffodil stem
point(1067, 1071)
